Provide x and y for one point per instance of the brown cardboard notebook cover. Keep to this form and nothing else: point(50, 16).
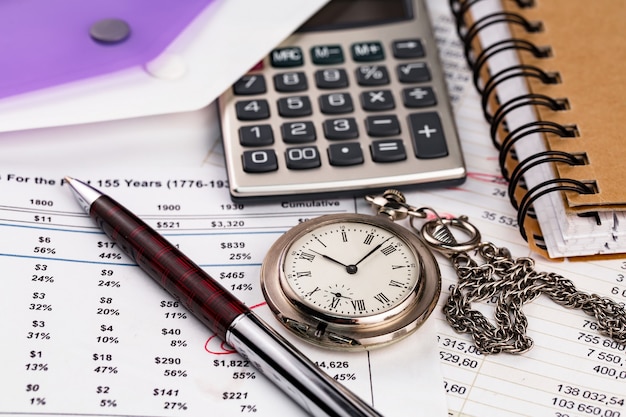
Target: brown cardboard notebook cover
point(588, 44)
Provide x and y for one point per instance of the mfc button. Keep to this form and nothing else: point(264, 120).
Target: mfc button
point(427, 135)
point(287, 57)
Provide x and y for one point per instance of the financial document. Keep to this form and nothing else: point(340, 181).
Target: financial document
point(92, 334)
point(86, 333)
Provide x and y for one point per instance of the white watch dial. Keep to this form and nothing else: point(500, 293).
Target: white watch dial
point(351, 269)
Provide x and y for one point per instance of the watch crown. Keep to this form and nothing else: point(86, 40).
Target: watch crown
point(394, 195)
point(392, 204)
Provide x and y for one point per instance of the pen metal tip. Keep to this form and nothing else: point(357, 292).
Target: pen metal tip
point(84, 193)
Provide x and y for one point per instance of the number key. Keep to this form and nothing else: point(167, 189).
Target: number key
point(295, 106)
point(305, 157)
point(258, 135)
point(250, 84)
point(252, 110)
point(259, 161)
point(336, 103)
point(341, 129)
point(331, 78)
point(290, 82)
point(298, 132)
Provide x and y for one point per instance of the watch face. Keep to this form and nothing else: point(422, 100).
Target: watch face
point(351, 269)
point(350, 281)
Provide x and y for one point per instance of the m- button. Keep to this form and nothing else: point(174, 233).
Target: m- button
point(427, 135)
point(327, 54)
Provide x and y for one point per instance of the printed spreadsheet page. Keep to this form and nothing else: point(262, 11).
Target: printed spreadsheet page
point(90, 334)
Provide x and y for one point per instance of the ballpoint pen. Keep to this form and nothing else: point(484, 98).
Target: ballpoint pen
point(220, 311)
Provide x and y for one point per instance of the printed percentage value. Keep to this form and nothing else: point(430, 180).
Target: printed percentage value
point(248, 408)
point(241, 287)
point(108, 339)
point(170, 315)
point(178, 343)
point(345, 377)
point(44, 250)
point(240, 257)
point(108, 311)
point(37, 367)
point(38, 335)
point(40, 307)
point(38, 401)
point(108, 403)
point(111, 284)
point(43, 278)
point(106, 369)
point(244, 375)
point(168, 405)
point(110, 255)
point(176, 373)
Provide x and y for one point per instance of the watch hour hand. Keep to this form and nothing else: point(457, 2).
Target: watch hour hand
point(329, 258)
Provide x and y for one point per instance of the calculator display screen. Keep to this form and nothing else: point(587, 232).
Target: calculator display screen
point(340, 14)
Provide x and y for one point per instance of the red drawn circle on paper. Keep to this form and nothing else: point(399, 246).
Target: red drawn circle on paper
point(216, 346)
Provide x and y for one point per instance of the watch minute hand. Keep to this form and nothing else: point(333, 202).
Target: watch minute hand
point(373, 250)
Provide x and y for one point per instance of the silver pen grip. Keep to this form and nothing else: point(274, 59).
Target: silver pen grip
point(292, 372)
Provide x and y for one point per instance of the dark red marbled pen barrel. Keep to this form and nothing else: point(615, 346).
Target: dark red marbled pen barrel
point(180, 276)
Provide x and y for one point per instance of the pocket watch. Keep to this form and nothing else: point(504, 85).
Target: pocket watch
point(351, 281)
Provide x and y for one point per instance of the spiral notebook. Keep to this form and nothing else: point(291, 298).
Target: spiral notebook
point(552, 75)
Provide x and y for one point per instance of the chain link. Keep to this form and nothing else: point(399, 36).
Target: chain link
point(507, 282)
point(511, 283)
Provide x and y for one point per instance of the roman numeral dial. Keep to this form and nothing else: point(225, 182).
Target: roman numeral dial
point(351, 269)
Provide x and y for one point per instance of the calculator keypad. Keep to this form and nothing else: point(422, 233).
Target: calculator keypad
point(314, 115)
point(427, 137)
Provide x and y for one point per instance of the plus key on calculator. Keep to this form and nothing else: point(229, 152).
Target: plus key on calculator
point(355, 101)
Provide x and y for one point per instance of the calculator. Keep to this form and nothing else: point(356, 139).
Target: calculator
point(353, 102)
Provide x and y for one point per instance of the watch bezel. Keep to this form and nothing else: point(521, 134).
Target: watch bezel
point(337, 331)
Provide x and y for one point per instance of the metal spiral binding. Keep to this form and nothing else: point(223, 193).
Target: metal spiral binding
point(497, 119)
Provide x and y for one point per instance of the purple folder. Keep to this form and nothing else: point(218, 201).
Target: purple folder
point(47, 42)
